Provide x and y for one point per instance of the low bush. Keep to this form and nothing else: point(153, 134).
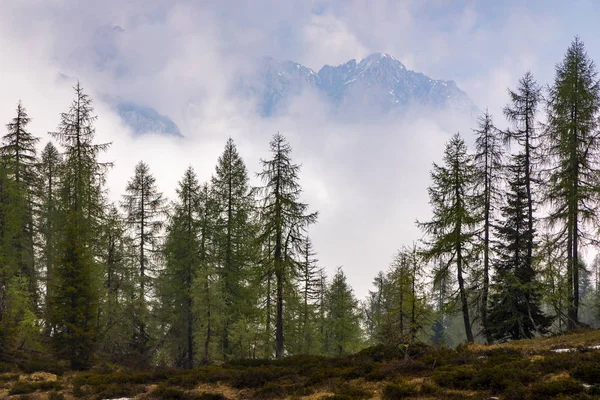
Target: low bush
point(211, 396)
point(588, 371)
point(165, 392)
point(549, 389)
point(22, 387)
point(353, 391)
point(454, 376)
point(270, 390)
point(394, 391)
point(56, 396)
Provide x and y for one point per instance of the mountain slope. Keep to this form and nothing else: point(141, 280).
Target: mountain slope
point(378, 83)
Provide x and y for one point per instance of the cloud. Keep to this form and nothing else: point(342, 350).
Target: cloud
point(368, 179)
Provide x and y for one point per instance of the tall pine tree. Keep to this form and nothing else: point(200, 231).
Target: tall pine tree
point(235, 237)
point(75, 287)
point(284, 220)
point(488, 161)
point(144, 207)
point(515, 312)
point(452, 227)
point(573, 148)
point(19, 156)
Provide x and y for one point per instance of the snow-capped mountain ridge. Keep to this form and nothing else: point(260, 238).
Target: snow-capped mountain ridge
point(378, 82)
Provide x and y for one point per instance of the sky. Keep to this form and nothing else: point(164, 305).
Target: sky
point(368, 179)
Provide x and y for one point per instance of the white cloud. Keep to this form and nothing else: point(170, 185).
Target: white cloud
point(367, 179)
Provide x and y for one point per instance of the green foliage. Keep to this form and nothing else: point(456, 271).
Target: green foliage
point(452, 228)
point(573, 150)
point(454, 376)
point(550, 389)
point(24, 387)
point(398, 391)
point(342, 322)
point(74, 290)
point(284, 220)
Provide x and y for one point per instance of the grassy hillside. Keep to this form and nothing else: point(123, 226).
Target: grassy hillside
point(528, 369)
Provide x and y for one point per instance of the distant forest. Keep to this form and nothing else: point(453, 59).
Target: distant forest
point(227, 271)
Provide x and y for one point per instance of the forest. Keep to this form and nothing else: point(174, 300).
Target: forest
point(226, 271)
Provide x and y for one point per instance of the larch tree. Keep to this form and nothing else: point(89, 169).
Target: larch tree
point(49, 219)
point(515, 311)
point(308, 276)
point(234, 236)
point(488, 161)
point(144, 207)
point(18, 153)
point(573, 149)
point(182, 256)
point(76, 284)
point(342, 319)
point(521, 114)
point(452, 227)
point(284, 219)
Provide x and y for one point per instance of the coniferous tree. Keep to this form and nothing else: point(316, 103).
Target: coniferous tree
point(308, 276)
point(144, 207)
point(488, 161)
point(342, 319)
point(182, 256)
point(234, 237)
point(209, 302)
point(521, 113)
point(452, 226)
point(48, 219)
point(75, 288)
point(18, 153)
point(515, 312)
point(284, 220)
point(573, 148)
point(115, 312)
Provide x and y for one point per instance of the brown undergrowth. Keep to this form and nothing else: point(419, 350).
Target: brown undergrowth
point(528, 370)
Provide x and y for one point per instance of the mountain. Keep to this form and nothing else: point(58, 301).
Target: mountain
point(377, 83)
point(142, 119)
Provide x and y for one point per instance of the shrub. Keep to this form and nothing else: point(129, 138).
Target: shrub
point(353, 392)
point(211, 396)
point(588, 372)
point(22, 387)
point(548, 389)
point(398, 391)
point(256, 377)
point(454, 377)
point(56, 396)
point(270, 390)
point(498, 377)
point(165, 392)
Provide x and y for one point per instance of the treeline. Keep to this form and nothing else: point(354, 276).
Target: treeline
point(510, 221)
point(224, 271)
point(227, 270)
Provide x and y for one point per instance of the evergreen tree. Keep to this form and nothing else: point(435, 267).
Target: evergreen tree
point(452, 226)
point(342, 318)
point(19, 155)
point(144, 207)
point(234, 236)
point(573, 148)
point(209, 303)
point(515, 312)
point(48, 219)
point(115, 312)
point(284, 220)
point(521, 113)
point(308, 276)
point(488, 161)
point(182, 255)
point(75, 288)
